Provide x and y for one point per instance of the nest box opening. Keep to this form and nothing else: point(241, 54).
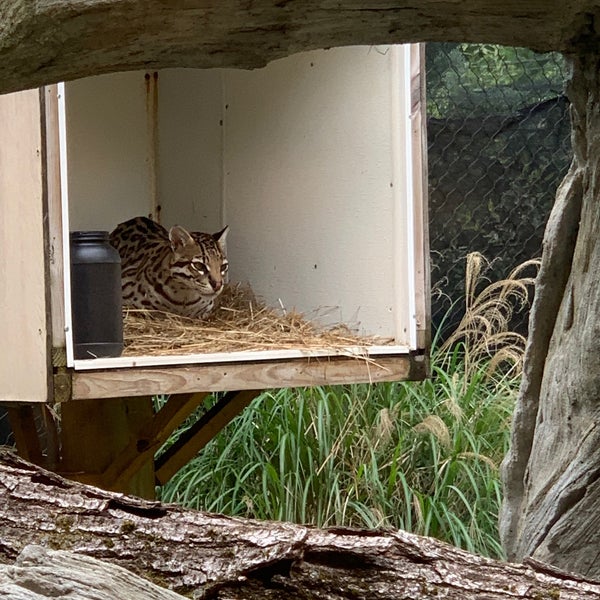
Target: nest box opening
point(316, 165)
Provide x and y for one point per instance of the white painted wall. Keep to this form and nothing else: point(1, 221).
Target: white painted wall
point(298, 158)
point(308, 184)
point(190, 173)
point(23, 352)
point(108, 150)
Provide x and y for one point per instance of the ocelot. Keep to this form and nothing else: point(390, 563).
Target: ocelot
point(176, 271)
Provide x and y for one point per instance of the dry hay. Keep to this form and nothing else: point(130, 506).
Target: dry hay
point(240, 322)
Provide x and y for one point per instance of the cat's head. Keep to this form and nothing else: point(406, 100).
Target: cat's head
point(201, 258)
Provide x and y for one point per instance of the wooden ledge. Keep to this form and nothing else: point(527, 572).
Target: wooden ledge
point(144, 381)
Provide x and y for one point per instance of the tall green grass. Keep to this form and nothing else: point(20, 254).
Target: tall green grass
point(421, 456)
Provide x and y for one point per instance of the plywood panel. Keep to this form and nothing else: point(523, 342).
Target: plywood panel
point(55, 224)
point(309, 186)
point(418, 117)
point(190, 150)
point(246, 376)
point(23, 352)
point(110, 150)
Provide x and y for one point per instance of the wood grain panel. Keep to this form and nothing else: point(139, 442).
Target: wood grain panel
point(421, 198)
point(246, 376)
point(55, 241)
point(23, 352)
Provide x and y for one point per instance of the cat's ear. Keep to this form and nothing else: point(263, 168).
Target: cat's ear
point(180, 238)
point(221, 238)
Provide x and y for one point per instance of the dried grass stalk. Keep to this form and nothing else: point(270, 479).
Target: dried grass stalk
point(485, 326)
point(240, 322)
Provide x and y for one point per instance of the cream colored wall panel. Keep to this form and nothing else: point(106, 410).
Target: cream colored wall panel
point(190, 151)
point(310, 161)
point(23, 352)
point(110, 150)
point(309, 175)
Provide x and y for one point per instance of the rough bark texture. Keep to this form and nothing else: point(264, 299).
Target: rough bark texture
point(51, 40)
point(552, 473)
point(212, 556)
point(40, 573)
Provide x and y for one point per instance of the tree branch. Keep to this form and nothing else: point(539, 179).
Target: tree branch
point(51, 40)
point(213, 556)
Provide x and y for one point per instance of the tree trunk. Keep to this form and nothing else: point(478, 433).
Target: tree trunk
point(552, 473)
point(52, 40)
point(213, 556)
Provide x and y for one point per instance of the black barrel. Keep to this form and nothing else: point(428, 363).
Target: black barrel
point(95, 295)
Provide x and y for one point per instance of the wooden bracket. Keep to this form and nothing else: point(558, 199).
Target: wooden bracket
point(59, 357)
point(204, 430)
point(125, 434)
point(153, 434)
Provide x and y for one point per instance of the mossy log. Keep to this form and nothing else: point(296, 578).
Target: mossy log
point(212, 556)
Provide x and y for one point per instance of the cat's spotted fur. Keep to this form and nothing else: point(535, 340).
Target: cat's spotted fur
point(174, 271)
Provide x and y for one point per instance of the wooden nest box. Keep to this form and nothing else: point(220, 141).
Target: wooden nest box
point(316, 163)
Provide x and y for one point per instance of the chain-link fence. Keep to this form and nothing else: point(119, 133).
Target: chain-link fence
point(499, 145)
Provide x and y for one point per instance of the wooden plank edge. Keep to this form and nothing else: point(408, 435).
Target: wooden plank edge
point(421, 180)
point(169, 360)
point(151, 436)
point(184, 379)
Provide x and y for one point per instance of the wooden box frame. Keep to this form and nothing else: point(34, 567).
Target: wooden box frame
point(38, 319)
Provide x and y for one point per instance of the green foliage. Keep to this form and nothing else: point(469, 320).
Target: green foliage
point(470, 79)
point(421, 456)
point(417, 456)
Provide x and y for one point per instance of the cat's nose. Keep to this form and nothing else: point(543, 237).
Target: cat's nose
point(217, 285)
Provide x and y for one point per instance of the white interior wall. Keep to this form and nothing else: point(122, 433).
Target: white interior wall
point(308, 185)
point(190, 158)
point(298, 158)
point(108, 150)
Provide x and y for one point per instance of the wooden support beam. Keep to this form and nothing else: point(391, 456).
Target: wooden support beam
point(93, 435)
point(153, 434)
point(49, 436)
point(22, 421)
point(218, 377)
point(207, 427)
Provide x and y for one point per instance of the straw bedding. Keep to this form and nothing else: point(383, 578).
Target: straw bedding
point(240, 322)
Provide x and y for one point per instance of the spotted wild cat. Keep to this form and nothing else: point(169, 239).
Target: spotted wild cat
point(174, 271)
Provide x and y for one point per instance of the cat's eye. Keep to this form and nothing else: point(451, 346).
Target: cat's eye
point(200, 267)
point(224, 268)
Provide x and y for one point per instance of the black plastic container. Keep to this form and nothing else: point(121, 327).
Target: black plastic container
point(95, 296)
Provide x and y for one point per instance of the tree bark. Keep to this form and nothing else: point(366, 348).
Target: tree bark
point(51, 40)
point(213, 556)
point(40, 573)
point(552, 472)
